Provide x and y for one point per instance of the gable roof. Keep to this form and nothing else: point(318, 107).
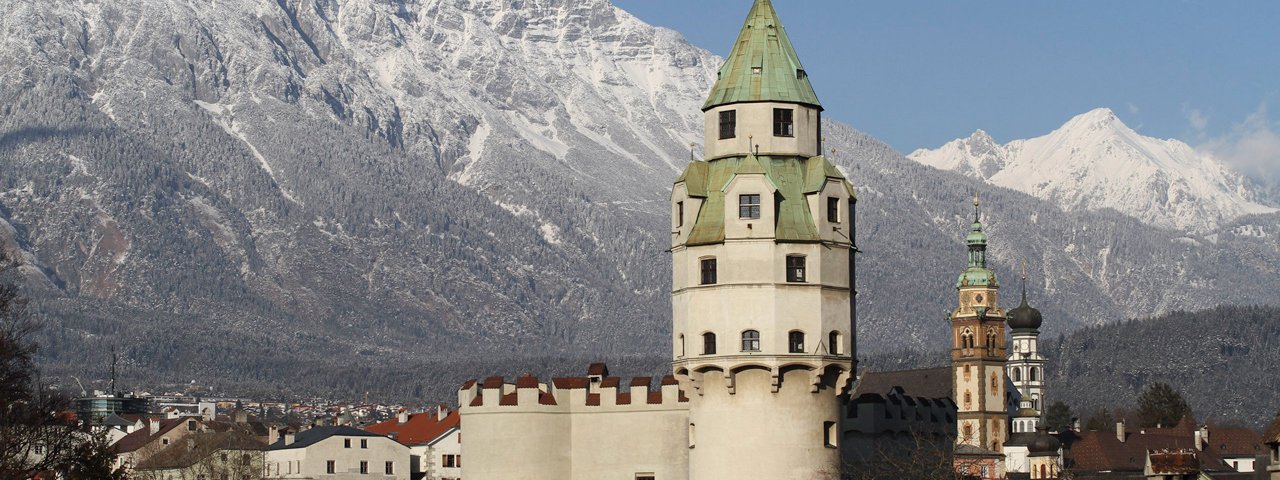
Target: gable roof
point(1272, 435)
point(763, 66)
point(1103, 451)
point(421, 429)
point(309, 437)
point(181, 455)
point(143, 436)
point(924, 382)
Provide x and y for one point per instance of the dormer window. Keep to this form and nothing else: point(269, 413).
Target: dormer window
point(783, 123)
point(833, 209)
point(708, 271)
point(728, 124)
point(755, 70)
point(749, 207)
point(679, 214)
point(795, 269)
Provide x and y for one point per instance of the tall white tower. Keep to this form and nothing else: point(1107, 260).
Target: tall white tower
point(762, 334)
point(1026, 365)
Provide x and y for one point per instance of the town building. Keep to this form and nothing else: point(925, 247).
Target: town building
point(434, 440)
point(336, 453)
point(1271, 438)
point(1123, 452)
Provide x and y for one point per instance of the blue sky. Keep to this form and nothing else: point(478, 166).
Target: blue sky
point(917, 74)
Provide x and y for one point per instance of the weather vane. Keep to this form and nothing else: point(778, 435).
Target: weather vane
point(976, 203)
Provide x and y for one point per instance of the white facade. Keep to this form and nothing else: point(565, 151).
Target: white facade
point(1026, 367)
point(347, 454)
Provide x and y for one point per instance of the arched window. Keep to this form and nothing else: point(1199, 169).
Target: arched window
point(1017, 374)
point(681, 347)
point(751, 341)
point(991, 342)
point(1035, 373)
point(833, 342)
point(708, 343)
point(1043, 471)
point(795, 342)
point(966, 338)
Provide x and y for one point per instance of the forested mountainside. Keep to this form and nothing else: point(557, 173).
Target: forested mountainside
point(331, 196)
point(1222, 360)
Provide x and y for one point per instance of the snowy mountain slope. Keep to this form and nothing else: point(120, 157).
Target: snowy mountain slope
point(341, 193)
point(1095, 161)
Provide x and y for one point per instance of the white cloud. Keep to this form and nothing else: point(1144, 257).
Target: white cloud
point(1133, 109)
point(1197, 119)
point(1252, 147)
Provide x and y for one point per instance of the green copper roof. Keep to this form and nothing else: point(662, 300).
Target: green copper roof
point(763, 66)
point(977, 273)
point(793, 178)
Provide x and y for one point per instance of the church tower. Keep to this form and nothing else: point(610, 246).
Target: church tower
point(978, 349)
point(1026, 365)
point(761, 249)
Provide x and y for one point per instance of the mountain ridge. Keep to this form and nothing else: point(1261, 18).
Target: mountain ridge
point(1095, 161)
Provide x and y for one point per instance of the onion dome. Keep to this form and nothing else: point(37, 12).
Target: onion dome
point(1043, 444)
point(1024, 317)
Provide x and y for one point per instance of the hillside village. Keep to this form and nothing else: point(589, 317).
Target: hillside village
point(764, 382)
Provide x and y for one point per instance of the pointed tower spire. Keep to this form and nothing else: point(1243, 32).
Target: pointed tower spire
point(763, 66)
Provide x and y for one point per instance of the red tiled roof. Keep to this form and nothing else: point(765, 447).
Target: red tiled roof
point(143, 436)
point(641, 382)
point(593, 400)
point(546, 398)
point(610, 382)
point(1102, 451)
point(469, 384)
point(478, 401)
point(598, 369)
point(509, 400)
point(1226, 441)
point(493, 382)
point(527, 381)
point(624, 398)
point(422, 428)
point(655, 398)
point(1175, 462)
point(571, 382)
point(669, 380)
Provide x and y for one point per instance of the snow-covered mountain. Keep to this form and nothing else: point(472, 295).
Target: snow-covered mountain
point(1095, 161)
point(346, 195)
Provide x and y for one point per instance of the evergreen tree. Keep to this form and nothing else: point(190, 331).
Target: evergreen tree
point(1160, 404)
point(1100, 421)
point(1058, 417)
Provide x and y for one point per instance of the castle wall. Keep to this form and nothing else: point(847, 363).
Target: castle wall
point(574, 428)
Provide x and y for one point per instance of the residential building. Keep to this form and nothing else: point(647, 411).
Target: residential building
point(434, 440)
point(337, 453)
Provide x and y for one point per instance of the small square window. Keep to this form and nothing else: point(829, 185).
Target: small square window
point(795, 269)
point(391, 468)
point(346, 443)
point(645, 476)
point(749, 207)
point(833, 209)
point(728, 124)
point(795, 342)
point(364, 443)
point(783, 122)
point(364, 467)
point(708, 271)
point(751, 341)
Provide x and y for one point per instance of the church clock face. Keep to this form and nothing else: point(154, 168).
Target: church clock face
point(978, 298)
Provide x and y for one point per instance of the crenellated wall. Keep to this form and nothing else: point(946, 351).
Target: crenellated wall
point(592, 427)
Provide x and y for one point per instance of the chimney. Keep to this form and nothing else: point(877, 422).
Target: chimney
point(288, 438)
point(441, 412)
point(1120, 430)
point(273, 434)
point(153, 425)
point(1075, 424)
point(241, 416)
point(1202, 438)
point(403, 417)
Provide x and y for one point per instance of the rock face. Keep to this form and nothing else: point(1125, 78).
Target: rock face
point(1095, 161)
point(340, 195)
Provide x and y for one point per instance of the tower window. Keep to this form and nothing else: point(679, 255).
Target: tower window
point(795, 269)
point(833, 209)
point(751, 341)
point(991, 343)
point(728, 124)
point(749, 206)
point(681, 343)
point(679, 214)
point(1035, 374)
point(795, 342)
point(708, 343)
point(783, 124)
point(1017, 374)
point(708, 271)
point(833, 342)
point(829, 434)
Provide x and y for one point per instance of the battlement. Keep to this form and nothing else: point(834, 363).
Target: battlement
point(568, 394)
